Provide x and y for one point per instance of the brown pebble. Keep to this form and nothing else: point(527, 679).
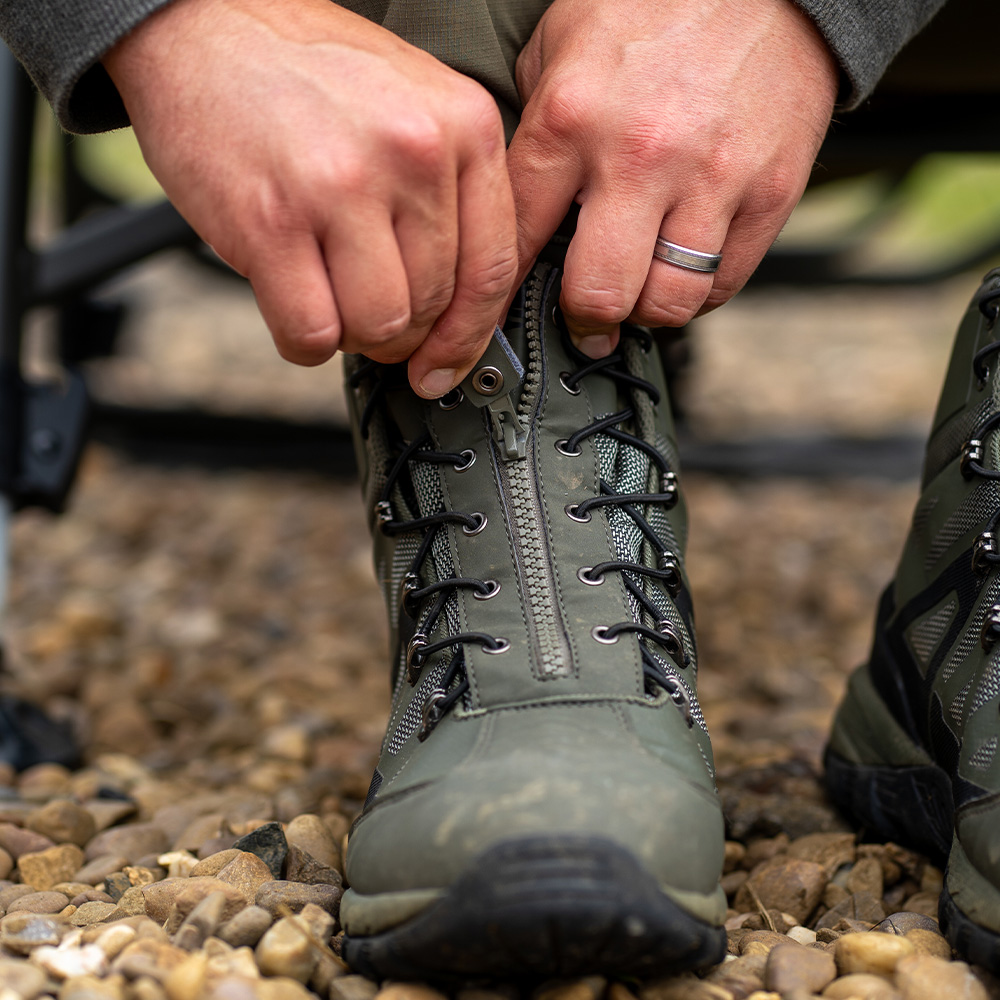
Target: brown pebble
point(924, 902)
point(760, 942)
point(929, 943)
point(872, 952)
point(353, 988)
point(275, 895)
point(63, 822)
point(792, 967)
point(923, 977)
point(134, 841)
point(91, 896)
point(162, 897)
point(733, 858)
point(93, 912)
point(247, 873)
point(862, 986)
point(409, 991)
point(15, 840)
point(6, 863)
point(21, 978)
point(311, 834)
point(785, 884)
point(764, 849)
point(96, 871)
point(731, 881)
point(286, 949)
point(829, 850)
point(300, 866)
point(109, 812)
point(245, 929)
point(23, 932)
point(43, 869)
point(12, 892)
point(202, 922)
point(44, 781)
point(866, 877)
point(858, 906)
point(683, 987)
point(214, 863)
point(39, 902)
point(741, 976)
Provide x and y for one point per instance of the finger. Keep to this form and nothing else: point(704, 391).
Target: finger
point(427, 236)
point(545, 178)
point(294, 296)
point(673, 294)
point(370, 286)
point(484, 272)
point(607, 263)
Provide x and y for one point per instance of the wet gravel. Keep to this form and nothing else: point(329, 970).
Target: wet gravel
point(216, 638)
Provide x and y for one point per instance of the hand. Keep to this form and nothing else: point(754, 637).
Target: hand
point(697, 120)
point(357, 182)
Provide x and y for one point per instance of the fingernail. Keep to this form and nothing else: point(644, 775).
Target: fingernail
point(595, 347)
point(437, 382)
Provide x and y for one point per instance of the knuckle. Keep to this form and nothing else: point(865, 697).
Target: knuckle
point(596, 306)
point(491, 279)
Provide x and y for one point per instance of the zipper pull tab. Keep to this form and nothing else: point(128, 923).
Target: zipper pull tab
point(495, 383)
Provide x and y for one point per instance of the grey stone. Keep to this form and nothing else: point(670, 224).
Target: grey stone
point(269, 844)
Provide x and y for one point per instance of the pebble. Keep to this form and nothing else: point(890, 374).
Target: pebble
point(23, 932)
point(858, 906)
point(904, 922)
point(214, 863)
point(785, 884)
point(274, 896)
point(93, 912)
point(63, 822)
point(197, 831)
point(202, 922)
point(415, 991)
point(44, 869)
point(923, 977)
point(740, 976)
point(179, 864)
point(801, 935)
point(287, 949)
point(353, 987)
point(12, 892)
point(39, 902)
point(866, 877)
point(684, 988)
point(6, 863)
point(183, 894)
point(148, 957)
point(862, 986)
point(830, 851)
point(22, 978)
point(246, 927)
point(109, 812)
point(309, 833)
point(268, 843)
point(65, 961)
point(924, 902)
point(793, 967)
point(15, 840)
point(44, 781)
point(927, 942)
point(134, 841)
point(246, 872)
point(114, 938)
point(760, 942)
point(300, 866)
point(92, 988)
point(872, 952)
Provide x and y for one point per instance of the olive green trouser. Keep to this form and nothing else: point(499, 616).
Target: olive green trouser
point(480, 38)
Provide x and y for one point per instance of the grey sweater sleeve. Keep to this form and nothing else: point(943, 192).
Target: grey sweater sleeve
point(865, 35)
point(60, 43)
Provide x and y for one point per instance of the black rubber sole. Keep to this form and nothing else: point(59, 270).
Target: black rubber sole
point(913, 807)
point(544, 907)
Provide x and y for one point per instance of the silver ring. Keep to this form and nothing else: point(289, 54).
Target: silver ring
point(691, 260)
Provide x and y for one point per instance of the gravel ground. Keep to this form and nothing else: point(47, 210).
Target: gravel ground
point(217, 640)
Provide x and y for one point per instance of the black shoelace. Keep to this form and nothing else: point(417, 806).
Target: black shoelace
point(659, 631)
point(425, 604)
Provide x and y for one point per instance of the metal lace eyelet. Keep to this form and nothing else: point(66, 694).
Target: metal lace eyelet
point(573, 390)
point(383, 513)
point(563, 450)
point(972, 451)
point(452, 398)
point(583, 575)
point(470, 460)
point(492, 589)
point(991, 628)
point(666, 628)
point(430, 713)
point(571, 513)
point(500, 646)
point(480, 518)
point(669, 483)
point(982, 373)
point(667, 563)
point(407, 585)
point(600, 633)
point(985, 547)
point(415, 656)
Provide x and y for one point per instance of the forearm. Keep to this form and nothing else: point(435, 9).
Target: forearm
point(61, 42)
point(865, 36)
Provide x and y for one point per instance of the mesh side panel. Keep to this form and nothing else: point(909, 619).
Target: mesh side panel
point(957, 708)
point(922, 514)
point(970, 637)
point(978, 507)
point(948, 441)
point(983, 757)
point(409, 720)
point(925, 635)
point(989, 685)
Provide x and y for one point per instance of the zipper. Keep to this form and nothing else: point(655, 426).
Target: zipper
point(523, 509)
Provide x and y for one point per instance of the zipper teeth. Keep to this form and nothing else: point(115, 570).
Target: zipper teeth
point(528, 518)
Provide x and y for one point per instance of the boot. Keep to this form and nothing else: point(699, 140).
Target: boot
point(544, 803)
point(913, 754)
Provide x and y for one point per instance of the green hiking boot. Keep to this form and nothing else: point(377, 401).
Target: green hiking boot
point(913, 754)
point(544, 803)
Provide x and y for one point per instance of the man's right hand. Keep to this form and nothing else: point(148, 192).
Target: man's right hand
point(360, 184)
